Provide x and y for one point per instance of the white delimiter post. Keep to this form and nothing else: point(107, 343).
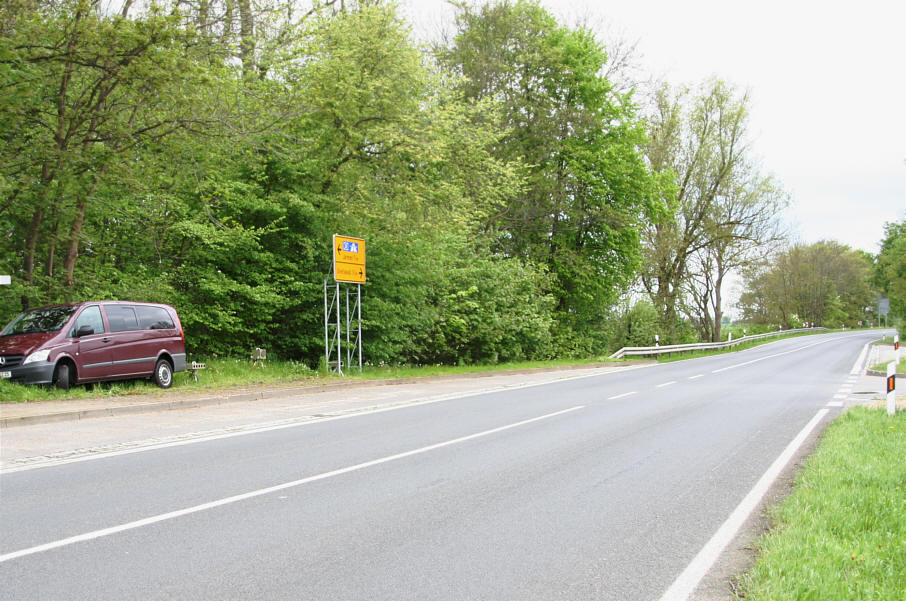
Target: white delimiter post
point(891, 388)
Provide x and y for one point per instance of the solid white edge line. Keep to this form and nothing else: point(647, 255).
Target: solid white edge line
point(686, 582)
point(264, 491)
point(295, 423)
point(857, 366)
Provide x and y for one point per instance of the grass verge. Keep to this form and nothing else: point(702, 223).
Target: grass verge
point(841, 534)
point(901, 367)
point(225, 374)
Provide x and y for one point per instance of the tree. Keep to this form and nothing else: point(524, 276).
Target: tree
point(890, 267)
point(744, 227)
point(826, 284)
point(587, 188)
point(86, 93)
point(723, 210)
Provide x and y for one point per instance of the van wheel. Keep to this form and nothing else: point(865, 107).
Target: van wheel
point(61, 376)
point(163, 373)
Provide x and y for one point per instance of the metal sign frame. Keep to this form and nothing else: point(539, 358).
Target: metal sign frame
point(335, 328)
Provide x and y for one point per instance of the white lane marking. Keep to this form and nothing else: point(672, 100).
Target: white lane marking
point(265, 491)
point(835, 404)
point(620, 396)
point(141, 446)
point(672, 382)
point(840, 396)
point(857, 366)
point(697, 376)
point(795, 350)
point(685, 584)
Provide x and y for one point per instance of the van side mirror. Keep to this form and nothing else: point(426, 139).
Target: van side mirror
point(84, 331)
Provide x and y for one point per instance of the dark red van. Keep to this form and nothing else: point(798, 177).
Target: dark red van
point(88, 342)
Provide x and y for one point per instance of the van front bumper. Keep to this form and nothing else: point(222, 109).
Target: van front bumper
point(40, 372)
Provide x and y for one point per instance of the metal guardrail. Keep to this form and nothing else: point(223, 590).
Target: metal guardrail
point(704, 346)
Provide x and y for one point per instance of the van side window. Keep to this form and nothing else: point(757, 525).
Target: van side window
point(90, 316)
point(154, 318)
point(121, 318)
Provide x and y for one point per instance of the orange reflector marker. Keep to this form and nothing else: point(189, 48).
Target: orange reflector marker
point(891, 383)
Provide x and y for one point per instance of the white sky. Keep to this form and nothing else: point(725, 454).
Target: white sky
point(827, 81)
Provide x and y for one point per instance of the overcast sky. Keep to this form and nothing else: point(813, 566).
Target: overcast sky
point(827, 81)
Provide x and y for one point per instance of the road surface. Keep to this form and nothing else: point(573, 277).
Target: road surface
point(600, 487)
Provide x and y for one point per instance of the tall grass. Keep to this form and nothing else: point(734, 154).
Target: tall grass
point(841, 535)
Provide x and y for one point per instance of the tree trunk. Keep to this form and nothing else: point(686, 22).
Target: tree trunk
point(247, 38)
point(75, 232)
point(31, 242)
point(72, 253)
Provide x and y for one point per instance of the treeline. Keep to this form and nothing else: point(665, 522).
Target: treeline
point(510, 184)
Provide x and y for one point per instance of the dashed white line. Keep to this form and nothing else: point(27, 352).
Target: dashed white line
point(620, 396)
point(670, 383)
point(697, 376)
point(795, 350)
point(265, 491)
point(836, 404)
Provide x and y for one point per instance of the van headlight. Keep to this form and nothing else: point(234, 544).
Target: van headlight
point(37, 356)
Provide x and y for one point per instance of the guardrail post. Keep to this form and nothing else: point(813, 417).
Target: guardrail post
point(891, 387)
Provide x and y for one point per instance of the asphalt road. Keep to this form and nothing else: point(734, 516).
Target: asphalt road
point(602, 487)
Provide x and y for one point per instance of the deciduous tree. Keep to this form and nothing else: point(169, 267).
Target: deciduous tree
point(722, 210)
point(587, 188)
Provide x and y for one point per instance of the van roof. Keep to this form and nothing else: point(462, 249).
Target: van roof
point(99, 302)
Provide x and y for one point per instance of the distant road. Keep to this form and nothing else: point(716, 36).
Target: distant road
point(596, 488)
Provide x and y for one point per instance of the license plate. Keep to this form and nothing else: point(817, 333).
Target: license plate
point(6, 374)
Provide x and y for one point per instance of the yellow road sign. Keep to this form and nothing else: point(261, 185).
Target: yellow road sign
point(348, 259)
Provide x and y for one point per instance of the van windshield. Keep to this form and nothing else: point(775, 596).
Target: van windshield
point(39, 321)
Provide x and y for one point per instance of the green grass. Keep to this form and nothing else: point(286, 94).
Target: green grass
point(226, 374)
point(841, 535)
point(901, 367)
point(220, 374)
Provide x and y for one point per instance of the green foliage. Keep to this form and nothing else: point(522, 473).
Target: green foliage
point(841, 535)
point(157, 156)
point(890, 267)
point(825, 284)
point(587, 188)
point(637, 326)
